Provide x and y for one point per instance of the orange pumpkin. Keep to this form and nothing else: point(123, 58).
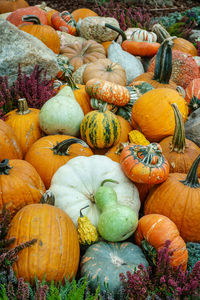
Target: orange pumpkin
point(178, 199)
point(156, 229)
point(51, 152)
point(140, 48)
point(59, 21)
point(49, 13)
point(56, 253)
point(82, 13)
point(25, 123)
point(20, 184)
point(192, 94)
point(11, 5)
point(9, 145)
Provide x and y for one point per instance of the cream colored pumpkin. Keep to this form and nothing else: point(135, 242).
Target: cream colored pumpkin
point(74, 185)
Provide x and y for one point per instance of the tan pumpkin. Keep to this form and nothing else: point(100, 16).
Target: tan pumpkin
point(80, 53)
point(105, 69)
point(11, 5)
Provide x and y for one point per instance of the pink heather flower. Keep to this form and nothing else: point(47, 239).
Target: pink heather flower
point(162, 279)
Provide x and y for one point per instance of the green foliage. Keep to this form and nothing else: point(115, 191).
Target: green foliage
point(193, 254)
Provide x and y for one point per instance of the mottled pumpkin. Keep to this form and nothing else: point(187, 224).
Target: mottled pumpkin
point(56, 253)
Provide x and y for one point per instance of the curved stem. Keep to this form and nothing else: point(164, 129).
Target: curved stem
point(121, 32)
point(178, 140)
point(31, 18)
point(191, 179)
point(108, 180)
point(4, 167)
point(81, 215)
point(48, 198)
point(62, 148)
point(23, 107)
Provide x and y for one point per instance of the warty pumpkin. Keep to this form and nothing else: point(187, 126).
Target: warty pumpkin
point(144, 164)
point(50, 152)
point(179, 151)
point(153, 115)
point(105, 69)
point(178, 199)
point(44, 33)
point(56, 253)
point(9, 145)
point(25, 123)
point(192, 94)
point(12, 5)
point(20, 185)
point(80, 53)
point(100, 129)
point(156, 229)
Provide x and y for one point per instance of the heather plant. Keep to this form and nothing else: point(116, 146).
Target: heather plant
point(162, 281)
point(36, 88)
point(183, 28)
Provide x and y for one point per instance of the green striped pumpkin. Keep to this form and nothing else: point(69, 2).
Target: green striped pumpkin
point(100, 129)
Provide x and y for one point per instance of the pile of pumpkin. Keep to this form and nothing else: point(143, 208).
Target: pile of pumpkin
point(109, 143)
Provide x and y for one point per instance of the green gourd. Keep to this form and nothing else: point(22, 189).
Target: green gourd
point(117, 222)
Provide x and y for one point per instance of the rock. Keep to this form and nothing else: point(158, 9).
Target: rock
point(195, 34)
point(18, 47)
point(192, 127)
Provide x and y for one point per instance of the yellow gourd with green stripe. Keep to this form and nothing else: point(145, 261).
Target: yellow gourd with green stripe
point(100, 129)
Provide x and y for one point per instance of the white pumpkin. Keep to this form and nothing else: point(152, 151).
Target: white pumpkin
point(75, 184)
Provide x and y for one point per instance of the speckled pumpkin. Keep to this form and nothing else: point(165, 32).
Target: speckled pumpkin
point(100, 129)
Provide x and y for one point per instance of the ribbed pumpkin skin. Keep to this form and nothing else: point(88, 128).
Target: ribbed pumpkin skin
point(82, 13)
point(26, 127)
point(56, 252)
point(148, 77)
point(9, 145)
point(21, 187)
point(46, 162)
point(184, 45)
point(156, 230)
point(103, 262)
point(100, 129)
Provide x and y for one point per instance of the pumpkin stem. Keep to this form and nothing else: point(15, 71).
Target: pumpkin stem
point(163, 64)
point(31, 18)
point(161, 32)
point(81, 215)
point(108, 180)
point(121, 32)
point(178, 140)
point(191, 179)
point(120, 147)
point(62, 148)
point(48, 198)
point(23, 107)
point(71, 82)
point(4, 167)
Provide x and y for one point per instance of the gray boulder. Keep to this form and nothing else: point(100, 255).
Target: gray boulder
point(192, 127)
point(18, 47)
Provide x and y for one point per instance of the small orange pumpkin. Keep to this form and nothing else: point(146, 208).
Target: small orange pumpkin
point(82, 13)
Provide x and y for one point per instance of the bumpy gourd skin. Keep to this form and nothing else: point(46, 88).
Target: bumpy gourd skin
point(87, 232)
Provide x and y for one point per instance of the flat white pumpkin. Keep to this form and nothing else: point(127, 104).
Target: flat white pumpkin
point(74, 185)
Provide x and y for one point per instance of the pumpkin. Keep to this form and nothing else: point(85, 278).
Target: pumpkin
point(180, 44)
point(20, 185)
point(74, 185)
point(153, 115)
point(25, 123)
point(144, 164)
point(82, 13)
point(103, 262)
point(12, 5)
point(49, 13)
point(178, 199)
point(16, 16)
point(64, 22)
point(93, 28)
point(66, 38)
point(125, 129)
point(192, 94)
point(156, 229)
point(115, 151)
point(108, 91)
point(141, 35)
point(179, 151)
point(163, 69)
point(44, 33)
point(50, 152)
point(56, 253)
point(184, 68)
point(80, 53)
point(100, 129)
point(9, 145)
point(105, 69)
point(140, 48)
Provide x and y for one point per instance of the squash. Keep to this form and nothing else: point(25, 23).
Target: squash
point(74, 185)
point(100, 129)
point(9, 145)
point(156, 229)
point(25, 123)
point(44, 33)
point(141, 35)
point(108, 260)
point(64, 22)
point(56, 239)
point(53, 151)
point(178, 199)
point(136, 137)
point(144, 164)
point(61, 114)
point(12, 5)
point(20, 185)
point(80, 53)
point(140, 48)
point(192, 94)
point(105, 69)
point(66, 38)
point(82, 13)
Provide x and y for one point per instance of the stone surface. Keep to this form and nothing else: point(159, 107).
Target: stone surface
point(18, 47)
point(192, 127)
point(195, 34)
